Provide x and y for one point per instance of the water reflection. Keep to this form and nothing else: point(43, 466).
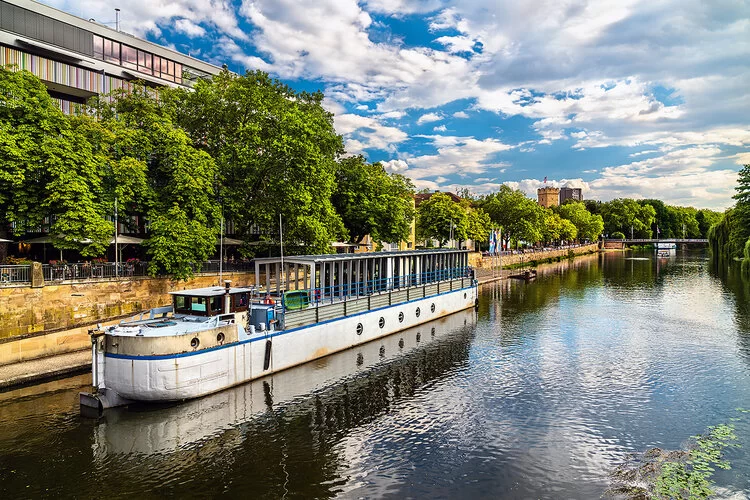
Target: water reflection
point(543, 394)
point(272, 437)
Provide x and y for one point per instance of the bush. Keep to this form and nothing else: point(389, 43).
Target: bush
point(617, 235)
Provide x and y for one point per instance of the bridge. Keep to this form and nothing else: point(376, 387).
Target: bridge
point(615, 243)
point(687, 241)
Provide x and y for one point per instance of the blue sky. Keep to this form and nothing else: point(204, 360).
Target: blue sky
point(622, 98)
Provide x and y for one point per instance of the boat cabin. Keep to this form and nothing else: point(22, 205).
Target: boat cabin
point(314, 278)
point(211, 301)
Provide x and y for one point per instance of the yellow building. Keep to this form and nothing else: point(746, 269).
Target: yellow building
point(548, 196)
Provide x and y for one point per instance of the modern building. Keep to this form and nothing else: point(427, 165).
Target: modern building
point(548, 196)
point(568, 193)
point(77, 58)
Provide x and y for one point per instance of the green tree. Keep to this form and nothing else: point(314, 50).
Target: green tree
point(48, 172)
point(521, 218)
point(706, 218)
point(475, 225)
point(371, 201)
point(165, 177)
point(622, 214)
point(276, 150)
point(436, 216)
point(588, 226)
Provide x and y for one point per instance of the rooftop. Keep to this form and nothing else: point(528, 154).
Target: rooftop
point(310, 259)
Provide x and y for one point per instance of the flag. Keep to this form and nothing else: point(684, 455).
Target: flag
point(492, 242)
point(545, 179)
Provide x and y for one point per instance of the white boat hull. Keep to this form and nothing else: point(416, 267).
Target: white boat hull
point(194, 374)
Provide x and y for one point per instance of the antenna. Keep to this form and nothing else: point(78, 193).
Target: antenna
point(117, 19)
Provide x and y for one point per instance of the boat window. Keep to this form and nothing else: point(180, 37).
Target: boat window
point(180, 303)
point(217, 304)
point(240, 301)
point(198, 304)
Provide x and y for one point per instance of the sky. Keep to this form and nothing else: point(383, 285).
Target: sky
point(623, 98)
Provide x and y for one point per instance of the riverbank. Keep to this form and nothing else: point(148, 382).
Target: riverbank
point(75, 358)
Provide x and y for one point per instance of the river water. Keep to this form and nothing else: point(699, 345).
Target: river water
point(541, 394)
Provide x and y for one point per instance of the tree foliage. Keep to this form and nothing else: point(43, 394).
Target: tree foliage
point(436, 216)
point(588, 226)
point(276, 151)
point(50, 177)
point(624, 214)
point(372, 201)
point(520, 218)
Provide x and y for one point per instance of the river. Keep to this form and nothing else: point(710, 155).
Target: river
point(541, 394)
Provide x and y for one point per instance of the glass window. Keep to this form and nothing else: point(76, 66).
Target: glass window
point(179, 303)
point(111, 51)
point(217, 304)
point(129, 57)
point(145, 63)
point(198, 304)
point(164, 65)
point(98, 47)
point(178, 73)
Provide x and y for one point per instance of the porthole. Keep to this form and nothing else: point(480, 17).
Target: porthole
point(400, 317)
point(360, 328)
point(432, 307)
point(401, 343)
point(220, 338)
point(417, 312)
point(381, 322)
point(195, 342)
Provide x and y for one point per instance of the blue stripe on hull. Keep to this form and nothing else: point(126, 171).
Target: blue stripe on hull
point(282, 332)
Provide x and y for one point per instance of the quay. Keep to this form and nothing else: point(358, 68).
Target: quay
point(63, 352)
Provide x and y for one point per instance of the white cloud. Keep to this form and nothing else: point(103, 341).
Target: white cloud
point(146, 16)
point(460, 114)
point(361, 132)
point(395, 166)
point(458, 155)
point(189, 28)
point(439, 128)
point(428, 117)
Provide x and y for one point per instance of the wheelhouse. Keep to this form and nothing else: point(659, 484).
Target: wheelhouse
point(211, 301)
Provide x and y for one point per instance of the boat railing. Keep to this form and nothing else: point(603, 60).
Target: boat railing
point(348, 299)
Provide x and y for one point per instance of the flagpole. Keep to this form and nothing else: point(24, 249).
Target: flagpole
point(221, 249)
point(117, 270)
point(281, 245)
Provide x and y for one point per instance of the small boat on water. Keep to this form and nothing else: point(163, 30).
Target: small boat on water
point(213, 338)
point(527, 275)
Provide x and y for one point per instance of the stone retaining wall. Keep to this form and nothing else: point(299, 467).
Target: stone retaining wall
point(476, 259)
point(54, 319)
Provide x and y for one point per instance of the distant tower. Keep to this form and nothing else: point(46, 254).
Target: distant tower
point(548, 196)
point(568, 193)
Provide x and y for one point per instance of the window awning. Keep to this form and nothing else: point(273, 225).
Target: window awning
point(135, 75)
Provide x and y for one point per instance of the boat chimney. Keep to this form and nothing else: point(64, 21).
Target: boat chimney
point(117, 19)
point(227, 297)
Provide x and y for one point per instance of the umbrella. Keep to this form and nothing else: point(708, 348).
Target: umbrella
point(231, 242)
point(126, 240)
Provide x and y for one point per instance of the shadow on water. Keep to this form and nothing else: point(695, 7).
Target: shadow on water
point(274, 437)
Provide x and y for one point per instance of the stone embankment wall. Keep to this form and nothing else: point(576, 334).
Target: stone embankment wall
point(476, 259)
point(55, 319)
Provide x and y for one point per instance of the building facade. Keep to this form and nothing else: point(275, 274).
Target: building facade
point(568, 193)
point(77, 59)
point(548, 196)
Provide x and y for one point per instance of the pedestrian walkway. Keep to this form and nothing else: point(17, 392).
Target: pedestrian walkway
point(44, 368)
point(490, 275)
